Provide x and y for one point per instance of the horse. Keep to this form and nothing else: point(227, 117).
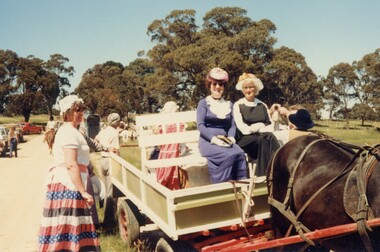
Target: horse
point(312, 184)
point(49, 138)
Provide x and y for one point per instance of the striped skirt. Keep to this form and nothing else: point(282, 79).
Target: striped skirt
point(66, 222)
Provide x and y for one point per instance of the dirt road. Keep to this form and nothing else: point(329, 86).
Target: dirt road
point(22, 195)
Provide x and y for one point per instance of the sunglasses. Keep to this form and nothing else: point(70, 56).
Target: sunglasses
point(79, 107)
point(217, 83)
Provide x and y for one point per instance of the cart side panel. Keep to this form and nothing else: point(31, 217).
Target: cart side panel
point(130, 181)
point(116, 170)
point(205, 209)
point(156, 202)
point(206, 215)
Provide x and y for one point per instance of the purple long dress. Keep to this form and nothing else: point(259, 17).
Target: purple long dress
point(224, 163)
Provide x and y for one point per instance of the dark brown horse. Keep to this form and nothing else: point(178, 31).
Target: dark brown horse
point(323, 191)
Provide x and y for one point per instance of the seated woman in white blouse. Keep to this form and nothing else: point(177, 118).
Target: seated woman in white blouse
point(254, 125)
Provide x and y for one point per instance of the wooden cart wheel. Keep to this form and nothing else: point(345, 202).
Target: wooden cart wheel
point(168, 245)
point(129, 228)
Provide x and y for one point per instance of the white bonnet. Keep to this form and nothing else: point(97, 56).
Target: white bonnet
point(249, 77)
point(67, 102)
point(170, 107)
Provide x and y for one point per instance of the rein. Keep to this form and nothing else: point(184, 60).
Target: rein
point(363, 207)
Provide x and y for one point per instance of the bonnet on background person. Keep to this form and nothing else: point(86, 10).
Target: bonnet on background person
point(66, 223)
point(215, 122)
point(253, 122)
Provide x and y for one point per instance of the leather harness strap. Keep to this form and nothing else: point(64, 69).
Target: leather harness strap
point(364, 171)
point(284, 207)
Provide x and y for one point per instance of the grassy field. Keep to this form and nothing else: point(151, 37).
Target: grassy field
point(369, 134)
point(38, 119)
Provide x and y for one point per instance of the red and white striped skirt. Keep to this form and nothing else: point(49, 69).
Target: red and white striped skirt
point(66, 222)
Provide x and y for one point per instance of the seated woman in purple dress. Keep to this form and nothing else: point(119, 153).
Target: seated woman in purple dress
point(226, 160)
point(255, 128)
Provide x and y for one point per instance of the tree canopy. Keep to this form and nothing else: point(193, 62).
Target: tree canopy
point(27, 84)
point(176, 67)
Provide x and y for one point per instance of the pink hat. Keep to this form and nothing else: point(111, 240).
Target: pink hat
point(217, 75)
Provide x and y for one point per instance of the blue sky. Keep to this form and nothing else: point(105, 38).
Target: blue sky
point(89, 32)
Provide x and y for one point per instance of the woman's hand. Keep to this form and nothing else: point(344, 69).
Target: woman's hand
point(88, 198)
point(256, 127)
point(219, 142)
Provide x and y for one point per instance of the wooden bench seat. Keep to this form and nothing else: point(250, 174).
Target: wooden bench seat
point(191, 160)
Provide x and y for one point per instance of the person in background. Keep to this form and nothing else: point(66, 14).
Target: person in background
point(252, 117)
point(51, 125)
point(120, 127)
point(123, 132)
point(109, 139)
point(66, 222)
point(299, 121)
point(12, 140)
point(169, 176)
point(215, 121)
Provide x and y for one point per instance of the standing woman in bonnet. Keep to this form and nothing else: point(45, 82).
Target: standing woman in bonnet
point(226, 160)
point(66, 222)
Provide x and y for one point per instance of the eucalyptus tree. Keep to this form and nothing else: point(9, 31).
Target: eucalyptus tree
point(30, 73)
point(368, 72)
point(229, 39)
point(55, 80)
point(98, 88)
point(111, 87)
point(290, 81)
point(31, 84)
point(341, 85)
point(8, 75)
point(139, 92)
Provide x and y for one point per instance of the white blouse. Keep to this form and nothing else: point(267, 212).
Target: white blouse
point(69, 137)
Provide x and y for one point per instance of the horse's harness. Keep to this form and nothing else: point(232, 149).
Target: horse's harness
point(359, 176)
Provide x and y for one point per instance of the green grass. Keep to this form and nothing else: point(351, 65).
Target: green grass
point(131, 152)
point(369, 134)
point(111, 241)
point(38, 119)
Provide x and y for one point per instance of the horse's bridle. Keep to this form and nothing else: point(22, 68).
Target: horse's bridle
point(362, 179)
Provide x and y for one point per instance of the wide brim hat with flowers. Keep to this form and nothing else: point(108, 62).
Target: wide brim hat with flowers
point(217, 75)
